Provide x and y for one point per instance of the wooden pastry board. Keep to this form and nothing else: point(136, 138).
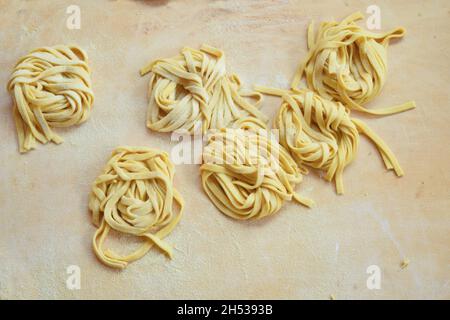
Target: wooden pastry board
point(298, 253)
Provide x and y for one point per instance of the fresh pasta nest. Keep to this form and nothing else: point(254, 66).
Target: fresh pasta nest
point(193, 88)
point(135, 195)
point(348, 64)
point(320, 133)
point(50, 87)
point(247, 174)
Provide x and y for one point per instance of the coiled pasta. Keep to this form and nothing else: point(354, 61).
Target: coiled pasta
point(320, 133)
point(247, 174)
point(193, 88)
point(348, 64)
point(135, 195)
point(50, 87)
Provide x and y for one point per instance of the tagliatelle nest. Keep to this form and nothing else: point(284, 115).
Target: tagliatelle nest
point(193, 88)
point(50, 87)
point(248, 175)
point(320, 133)
point(135, 195)
point(348, 64)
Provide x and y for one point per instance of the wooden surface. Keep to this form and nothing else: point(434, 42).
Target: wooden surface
point(299, 253)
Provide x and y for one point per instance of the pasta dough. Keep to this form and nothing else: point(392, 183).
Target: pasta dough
point(194, 88)
point(247, 174)
point(135, 195)
point(319, 133)
point(50, 87)
point(348, 64)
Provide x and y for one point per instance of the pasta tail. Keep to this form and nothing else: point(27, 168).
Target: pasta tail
point(304, 201)
point(388, 156)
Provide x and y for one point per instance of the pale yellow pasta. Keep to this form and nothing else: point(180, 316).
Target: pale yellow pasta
point(320, 133)
point(247, 174)
point(194, 88)
point(50, 87)
point(135, 195)
point(348, 64)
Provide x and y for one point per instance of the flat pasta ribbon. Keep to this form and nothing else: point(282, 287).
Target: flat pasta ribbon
point(50, 87)
point(194, 87)
point(135, 195)
point(247, 174)
point(348, 64)
point(320, 133)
